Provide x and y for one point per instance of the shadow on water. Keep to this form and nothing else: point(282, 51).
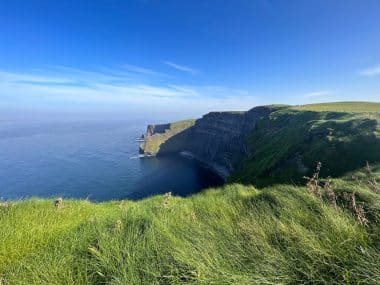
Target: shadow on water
point(173, 173)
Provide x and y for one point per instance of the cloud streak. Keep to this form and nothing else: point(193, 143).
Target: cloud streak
point(180, 67)
point(372, 71)
point(321, 93)
point(67, 86)
point(142, 70)
point(106, 86)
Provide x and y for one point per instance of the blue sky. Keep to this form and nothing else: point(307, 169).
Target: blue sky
point(184, 56)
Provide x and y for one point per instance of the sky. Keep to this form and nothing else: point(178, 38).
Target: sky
point(186, 57)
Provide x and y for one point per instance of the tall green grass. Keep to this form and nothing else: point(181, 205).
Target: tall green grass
point(232, 235)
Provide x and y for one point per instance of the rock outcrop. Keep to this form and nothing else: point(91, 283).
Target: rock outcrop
point(157, 129)
point(157, 135)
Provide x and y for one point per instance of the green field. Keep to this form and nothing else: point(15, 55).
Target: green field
point(283, 230)
point(286, 145)
point(341, 107)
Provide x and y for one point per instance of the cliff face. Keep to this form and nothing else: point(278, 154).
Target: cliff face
point(270, 144)
point(157, 129)
point(217, 139)
point(157, 135)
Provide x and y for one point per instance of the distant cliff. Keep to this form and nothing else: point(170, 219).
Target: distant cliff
point(271, 144)
point(217, 139)
point(156, 135)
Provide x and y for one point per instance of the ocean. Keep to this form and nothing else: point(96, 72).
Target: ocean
point(89, 159)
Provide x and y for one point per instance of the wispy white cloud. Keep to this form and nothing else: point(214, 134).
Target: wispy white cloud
point(63, 86)
point(98, 84)
point(180, 67)
point(320, 93)
point(186, 89)
point(372, 71)
point(142, 70)
point(102, 74)
point(31, 78)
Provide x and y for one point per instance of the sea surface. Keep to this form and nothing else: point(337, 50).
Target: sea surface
point(93, 159)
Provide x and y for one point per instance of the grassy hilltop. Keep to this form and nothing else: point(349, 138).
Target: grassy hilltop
point(348, 107)
point(326, 231)
point(287, 144)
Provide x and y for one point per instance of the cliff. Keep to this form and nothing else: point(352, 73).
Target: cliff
point(270, 144)
point(157, 135)
point(217, 139)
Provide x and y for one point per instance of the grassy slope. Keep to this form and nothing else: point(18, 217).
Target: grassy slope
point(152, 144)
point(342, 141)
point(363, 107)
point(233, 235)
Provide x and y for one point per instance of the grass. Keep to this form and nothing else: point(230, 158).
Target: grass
point(152, 144)
point(286, 145)
point(232, 235)
point(361, 107)
point(30, 225)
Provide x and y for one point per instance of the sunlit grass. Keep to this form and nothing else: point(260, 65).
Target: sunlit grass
point(341, 107)
point(286, 145)
point(232, 235)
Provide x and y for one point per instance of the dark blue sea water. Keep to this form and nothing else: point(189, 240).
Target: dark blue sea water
point(93, 159)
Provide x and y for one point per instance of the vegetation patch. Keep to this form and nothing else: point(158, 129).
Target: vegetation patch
point(231, 235)
point(286, 145)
